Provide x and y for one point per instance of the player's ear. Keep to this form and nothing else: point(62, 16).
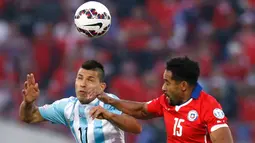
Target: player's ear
point(103, 86)
point(184, 85)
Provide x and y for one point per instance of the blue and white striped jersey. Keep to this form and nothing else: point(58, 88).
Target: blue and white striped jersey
point(71, 113)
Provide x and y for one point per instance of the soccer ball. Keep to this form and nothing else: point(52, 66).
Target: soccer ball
point(92, 19)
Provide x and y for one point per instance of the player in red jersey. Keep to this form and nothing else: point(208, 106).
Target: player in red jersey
point(191, 115)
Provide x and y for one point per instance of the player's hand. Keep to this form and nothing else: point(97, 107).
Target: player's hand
point(100, 113)
point(92, 93)
point(103, 97)
point(31, 90)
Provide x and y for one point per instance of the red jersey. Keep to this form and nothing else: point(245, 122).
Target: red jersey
point(193, 121)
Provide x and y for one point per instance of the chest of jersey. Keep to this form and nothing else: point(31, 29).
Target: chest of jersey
point(185, 124)
point(88, 130)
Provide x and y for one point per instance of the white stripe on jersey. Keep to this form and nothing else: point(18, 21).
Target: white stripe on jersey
point(76, 122)
point(90, 131)
point(68, 110)
point(68, 114)
point(117, 135)
point(101, 103)
point(216, 127)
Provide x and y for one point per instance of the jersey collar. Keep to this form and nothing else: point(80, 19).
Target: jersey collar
point(196, 91)
point(95, 102)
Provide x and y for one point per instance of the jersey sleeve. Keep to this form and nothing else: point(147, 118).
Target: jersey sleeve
point(55, 112)
point(154, 106)
point(214, 116)
point(111, 108)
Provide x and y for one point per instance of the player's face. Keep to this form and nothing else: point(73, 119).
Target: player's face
point(87, 80)
point(171, 89)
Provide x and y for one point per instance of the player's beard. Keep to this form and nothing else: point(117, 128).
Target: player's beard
point(169, 99)
point(173, 100)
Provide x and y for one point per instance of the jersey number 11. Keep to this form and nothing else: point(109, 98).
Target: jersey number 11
point(86, 130)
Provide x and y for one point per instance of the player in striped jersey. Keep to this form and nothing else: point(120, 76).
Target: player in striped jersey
point(90, 120)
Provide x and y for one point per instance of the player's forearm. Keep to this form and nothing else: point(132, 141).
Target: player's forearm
point(126, 123)
point(26, 111)
point(135, 109)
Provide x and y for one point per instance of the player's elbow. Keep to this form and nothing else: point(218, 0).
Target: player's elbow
point(133, 127)
point(138, 129)
point(25, 120)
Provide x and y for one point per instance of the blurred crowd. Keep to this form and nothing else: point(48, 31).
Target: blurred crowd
point(39, 36)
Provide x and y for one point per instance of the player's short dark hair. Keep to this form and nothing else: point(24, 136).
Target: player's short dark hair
point(183, 69)
point(95, 66)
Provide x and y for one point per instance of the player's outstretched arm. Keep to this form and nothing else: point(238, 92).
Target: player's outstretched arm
point(28, 111)
point(132, 108)
point(221, 135)
point(123, 121)
point(126, 123)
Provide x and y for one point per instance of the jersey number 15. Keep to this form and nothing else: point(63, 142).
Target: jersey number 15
point(177, 131)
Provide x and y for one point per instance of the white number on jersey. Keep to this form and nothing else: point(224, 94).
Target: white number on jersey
point(178, 127)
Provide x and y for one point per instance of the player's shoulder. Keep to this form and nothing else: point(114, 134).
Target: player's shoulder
point(62, 103)
point(66, 100)
point(112, 95)
point(208, 99)
point(210, 107)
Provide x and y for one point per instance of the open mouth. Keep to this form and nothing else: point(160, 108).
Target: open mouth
point(82, 92)
point(166, 95)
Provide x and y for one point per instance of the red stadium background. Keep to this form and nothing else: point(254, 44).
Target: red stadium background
point(39, 36)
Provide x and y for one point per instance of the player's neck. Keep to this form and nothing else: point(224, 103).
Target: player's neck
point(187, 95)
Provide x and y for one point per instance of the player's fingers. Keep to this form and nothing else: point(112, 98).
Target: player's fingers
point(92, 110)
point(24, 92)
point(92, 115)
point(31, 88)
point(28, 90)
point(91, 93)
point(32, 78)
point(101, 95)
point(36, 87)
point(97, 93)
point(29, 79)
point(97, 113)
point(25, 85)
